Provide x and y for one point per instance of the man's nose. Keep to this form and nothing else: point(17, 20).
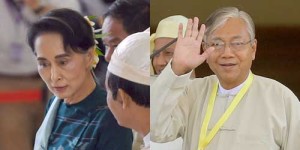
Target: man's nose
point(108, 52)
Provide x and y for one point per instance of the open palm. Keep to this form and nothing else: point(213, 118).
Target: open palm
point(187, 51)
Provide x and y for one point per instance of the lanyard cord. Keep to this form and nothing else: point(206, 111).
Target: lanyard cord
point(204, 138)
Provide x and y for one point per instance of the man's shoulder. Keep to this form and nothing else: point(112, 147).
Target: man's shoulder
point(200, 86)
point(275, 92)
point(268, 84)
point(205, 80)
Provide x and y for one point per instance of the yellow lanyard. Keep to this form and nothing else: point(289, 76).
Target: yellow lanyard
point(204, 138)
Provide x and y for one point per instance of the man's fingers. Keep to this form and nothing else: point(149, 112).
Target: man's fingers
point(201, 33)
point(180, 28)
point(207, 52)
point(188, 31)
point(195, 27)
point(201, 58)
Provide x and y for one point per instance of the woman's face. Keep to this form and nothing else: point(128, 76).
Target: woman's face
point(67, 74)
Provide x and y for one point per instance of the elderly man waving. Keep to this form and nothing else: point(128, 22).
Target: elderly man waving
point(231, 110)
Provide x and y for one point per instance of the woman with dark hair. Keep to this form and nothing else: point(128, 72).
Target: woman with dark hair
point(77, 116)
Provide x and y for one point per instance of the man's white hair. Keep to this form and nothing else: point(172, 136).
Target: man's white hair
point(220, 16)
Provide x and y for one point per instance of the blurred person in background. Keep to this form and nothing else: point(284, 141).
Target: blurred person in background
point(166, 32)
point(122, 11)
point(123, 18)
point(97, 9)
point(128, 85)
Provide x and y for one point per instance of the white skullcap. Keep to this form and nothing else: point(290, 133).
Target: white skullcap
point(168, 28)
point(131, 58)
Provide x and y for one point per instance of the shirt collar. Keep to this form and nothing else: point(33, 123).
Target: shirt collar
point(96, 99)
point(146, 140)
point(232, 91)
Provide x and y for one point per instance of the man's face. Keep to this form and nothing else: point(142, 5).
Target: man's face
point(232, 62)
point(117, 106)
point(161, 60)
point(115, 33)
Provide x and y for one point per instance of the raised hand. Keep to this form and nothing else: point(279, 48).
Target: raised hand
point(187, 51)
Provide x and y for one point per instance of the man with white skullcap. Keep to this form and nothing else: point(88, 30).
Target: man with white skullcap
point(128, 85)
point(166, 32)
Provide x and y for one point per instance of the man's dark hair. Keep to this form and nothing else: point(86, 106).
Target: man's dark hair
point(139, 93)
point(133, 14)
point(76, 32)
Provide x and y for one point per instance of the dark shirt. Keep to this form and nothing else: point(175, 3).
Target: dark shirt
point(88, 125)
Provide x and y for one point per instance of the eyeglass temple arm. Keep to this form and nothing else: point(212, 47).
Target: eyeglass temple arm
point(155, 52)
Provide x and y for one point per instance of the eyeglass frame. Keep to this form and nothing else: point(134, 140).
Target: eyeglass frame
point(231, 45)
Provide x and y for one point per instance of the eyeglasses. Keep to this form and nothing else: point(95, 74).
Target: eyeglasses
point(220, 45)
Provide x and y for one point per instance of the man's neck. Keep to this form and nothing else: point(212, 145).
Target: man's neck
point(141, 122)
point(229, 85)
point(232, 91)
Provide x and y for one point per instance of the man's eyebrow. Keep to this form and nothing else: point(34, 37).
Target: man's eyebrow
point(169, 48)
point(233, 38)
point(216, 39)
point(237, 37)
point(111, 40)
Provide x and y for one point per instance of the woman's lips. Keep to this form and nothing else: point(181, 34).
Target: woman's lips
point(60, 88)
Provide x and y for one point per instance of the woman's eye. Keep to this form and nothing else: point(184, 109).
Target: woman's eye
point(43, 64)
point(63, 62)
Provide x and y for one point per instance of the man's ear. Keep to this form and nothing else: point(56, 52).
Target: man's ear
point(203, 49)
point(254, 46)
point(124, 98)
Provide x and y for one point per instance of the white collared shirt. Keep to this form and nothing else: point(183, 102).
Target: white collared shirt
point(146, 140)
point(233, 91)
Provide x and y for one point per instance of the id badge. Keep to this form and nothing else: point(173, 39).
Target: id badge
point(16, 52)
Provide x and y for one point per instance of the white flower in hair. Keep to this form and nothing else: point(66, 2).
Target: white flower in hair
point(97, 35)
point(87, 18)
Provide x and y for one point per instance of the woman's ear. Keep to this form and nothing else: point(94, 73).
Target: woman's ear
point(125, 99)
point(90, 56)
